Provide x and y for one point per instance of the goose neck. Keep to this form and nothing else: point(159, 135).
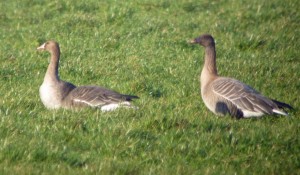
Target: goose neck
point(52, 70)
point(209, 71)
point(210, 61)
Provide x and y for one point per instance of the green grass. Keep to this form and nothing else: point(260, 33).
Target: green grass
point(139, 47)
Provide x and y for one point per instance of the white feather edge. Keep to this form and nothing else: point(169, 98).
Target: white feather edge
point(108, 107)
point(280, 112)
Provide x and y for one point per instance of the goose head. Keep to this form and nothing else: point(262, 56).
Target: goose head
point(205, 40)
point(50, 46)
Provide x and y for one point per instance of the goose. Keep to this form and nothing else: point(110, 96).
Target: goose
point(228, 96)
point(56, 93)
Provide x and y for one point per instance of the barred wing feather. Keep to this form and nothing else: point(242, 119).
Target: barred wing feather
point(98, 96)
point(242, 95)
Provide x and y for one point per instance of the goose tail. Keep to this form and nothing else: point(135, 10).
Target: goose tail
point(282, 106)
point(130, 97)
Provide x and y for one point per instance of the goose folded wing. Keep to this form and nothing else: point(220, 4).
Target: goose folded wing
point(242, 95)
point(96, 96)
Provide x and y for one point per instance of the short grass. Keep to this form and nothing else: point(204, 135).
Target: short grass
point(139, 47)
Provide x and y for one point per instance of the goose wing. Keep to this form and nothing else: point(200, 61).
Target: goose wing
point(97, 96)
point(242, 96)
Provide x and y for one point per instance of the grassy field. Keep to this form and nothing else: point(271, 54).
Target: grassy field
point(140, 48)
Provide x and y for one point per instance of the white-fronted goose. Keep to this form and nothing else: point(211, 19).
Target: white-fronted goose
point(224, 95)
point(56, 93)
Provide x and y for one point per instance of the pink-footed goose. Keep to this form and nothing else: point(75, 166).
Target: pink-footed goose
point(56, 93)
point(224, 95)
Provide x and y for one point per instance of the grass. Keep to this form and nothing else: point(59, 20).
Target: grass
point(139, 47)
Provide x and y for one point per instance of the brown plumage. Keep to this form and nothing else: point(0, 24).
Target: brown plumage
point(56, 93)
point(224, 95)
